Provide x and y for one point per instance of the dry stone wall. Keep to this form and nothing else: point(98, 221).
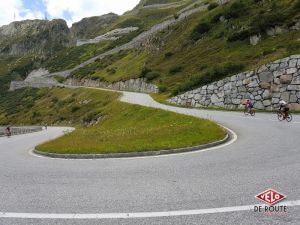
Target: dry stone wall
point(265, 86)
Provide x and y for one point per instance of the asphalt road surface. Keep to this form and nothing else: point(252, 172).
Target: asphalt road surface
point(205, 187)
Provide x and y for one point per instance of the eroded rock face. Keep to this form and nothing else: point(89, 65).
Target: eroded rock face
point(109, 36)
point(34, 36)
point(264, 86)
point(136, 85)
point(88, 28)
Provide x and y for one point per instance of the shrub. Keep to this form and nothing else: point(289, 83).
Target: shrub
point(297, 5)
point(111, 70)
point(236, 10)
point(144, 71)
point(75, 108)
point(266, 20)
point(200, 29)
point(175, 69)
point(95, 77)
point(60, 79)
point(162, 88)
point(212, 5)
point(54, 99)
point(216, 18)
point(152, 75)
point(168, 54)
point(239, 36)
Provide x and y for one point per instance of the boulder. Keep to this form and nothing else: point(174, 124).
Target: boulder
point(286, 79)
point(215, 98)
point(259, 105)
point(291, 70)
point(293, 99)
point(266, 77)
point(267, 103)
point(285, 96)
point(266, 94)
point(278, 73)
point(293, 88)
point(293, 63)
point(257, 97)
point(296, 80)
point(294, 106)
point(254, 39)
point(265, 85)
point(275, 100)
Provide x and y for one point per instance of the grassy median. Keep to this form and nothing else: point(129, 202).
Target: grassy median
point(103, 124)
point(132, 128)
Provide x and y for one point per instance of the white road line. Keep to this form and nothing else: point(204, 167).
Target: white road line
point(137, 215)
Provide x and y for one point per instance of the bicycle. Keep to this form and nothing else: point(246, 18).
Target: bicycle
point(281, 117)
point(248, 111)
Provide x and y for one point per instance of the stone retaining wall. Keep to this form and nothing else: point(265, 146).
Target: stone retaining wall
point(136, 85)
point(265, 86)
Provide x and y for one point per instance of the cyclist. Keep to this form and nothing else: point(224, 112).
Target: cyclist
point(8, 131)
point(284, 108)
point(249, 105)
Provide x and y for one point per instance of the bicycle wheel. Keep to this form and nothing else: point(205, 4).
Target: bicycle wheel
point(289, 118)
point(252, 112)
point(246, 112)
point(279, 116)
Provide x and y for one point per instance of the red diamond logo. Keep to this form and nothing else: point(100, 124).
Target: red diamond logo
point(270, 196)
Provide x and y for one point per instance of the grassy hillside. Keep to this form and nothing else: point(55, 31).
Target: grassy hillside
point(209, 45)
point(102, 123)
point(16, 68)
point(53, 106)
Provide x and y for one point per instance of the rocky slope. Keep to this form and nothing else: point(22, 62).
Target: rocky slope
point(36, 37)
point(88, 28)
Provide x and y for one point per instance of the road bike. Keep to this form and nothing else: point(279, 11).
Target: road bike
point(281, 117)
point(250, 111)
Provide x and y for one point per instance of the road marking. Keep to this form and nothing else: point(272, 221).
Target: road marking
point(136, 215)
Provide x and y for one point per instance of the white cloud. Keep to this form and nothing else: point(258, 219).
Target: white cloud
point(11, 10)
point(86, 8)
point(77, 9)
point(8, 9)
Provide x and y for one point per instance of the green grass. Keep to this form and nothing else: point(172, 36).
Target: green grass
point(114, 67)
point(68, 58)
point(103, 124)
point(59, 106)
point(132, 128)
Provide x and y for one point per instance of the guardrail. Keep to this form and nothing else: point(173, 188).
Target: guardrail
point(20, 130)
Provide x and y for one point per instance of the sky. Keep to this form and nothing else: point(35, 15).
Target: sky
point(70, 10)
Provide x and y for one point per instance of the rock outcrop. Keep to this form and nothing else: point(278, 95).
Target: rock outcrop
point(136, 85)
point(88, 28)
point(265, 86)
point(37, 79)
point(109, 36)
point(37, 37)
